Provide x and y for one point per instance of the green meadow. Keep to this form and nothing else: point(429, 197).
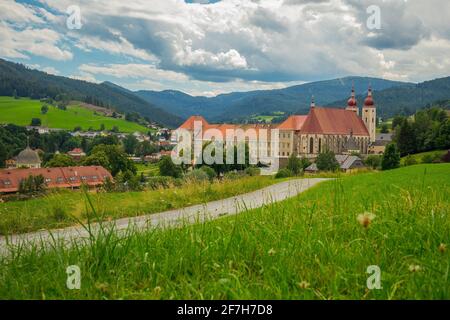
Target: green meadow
point(21, 111)
point(317, 245)
point(65, 208)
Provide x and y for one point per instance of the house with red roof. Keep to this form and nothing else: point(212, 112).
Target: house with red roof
point(65, 177)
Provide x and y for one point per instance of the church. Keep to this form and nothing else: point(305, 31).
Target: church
point(344, 130)
point(341, 130)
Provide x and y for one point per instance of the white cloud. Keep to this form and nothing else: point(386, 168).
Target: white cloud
point(235, 44)
point(40, 42)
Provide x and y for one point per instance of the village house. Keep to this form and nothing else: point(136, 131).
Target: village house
point(76, 154)
point(347, 163)
point(66, 177)
point(381, 141)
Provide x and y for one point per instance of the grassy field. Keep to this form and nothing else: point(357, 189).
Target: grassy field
point(21, 111)
point(151, 169)
point(63, 208)
point(310, 247)
point(419, 156)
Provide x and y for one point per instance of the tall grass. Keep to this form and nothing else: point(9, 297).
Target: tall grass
point(308, 247)
point(64, 208)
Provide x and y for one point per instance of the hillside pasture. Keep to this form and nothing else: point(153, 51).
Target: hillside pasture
point(21, 111)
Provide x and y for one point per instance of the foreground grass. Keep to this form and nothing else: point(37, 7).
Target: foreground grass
point(65, 208)
point(308, 247)
point(21, 111)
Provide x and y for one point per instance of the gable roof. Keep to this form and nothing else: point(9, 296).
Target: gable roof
point(293, 123)
point(189, 123)
point(334, 121)
point(65, 177)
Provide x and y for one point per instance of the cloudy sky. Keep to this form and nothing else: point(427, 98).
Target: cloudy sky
point(206, 47)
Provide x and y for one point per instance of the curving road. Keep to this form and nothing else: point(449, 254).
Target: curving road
point(197, 213)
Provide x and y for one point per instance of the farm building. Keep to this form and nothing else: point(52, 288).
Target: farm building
point(65, 177)
point(346, 163)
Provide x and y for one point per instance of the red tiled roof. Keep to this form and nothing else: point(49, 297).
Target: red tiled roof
point(189, 123)
point(66, 177)
point(293, 123)
point(76, 150)
point(334, 121)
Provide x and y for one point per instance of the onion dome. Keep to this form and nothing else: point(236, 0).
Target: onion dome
point(352, 101)
point(368, 102)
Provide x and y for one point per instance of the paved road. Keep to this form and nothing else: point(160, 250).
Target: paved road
point(173, 218)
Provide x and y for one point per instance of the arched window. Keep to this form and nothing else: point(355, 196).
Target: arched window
point(311, 145)
point(320, 145)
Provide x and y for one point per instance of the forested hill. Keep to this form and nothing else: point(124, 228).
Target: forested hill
point(36, 84)
point(241, 106)
point(409, 98)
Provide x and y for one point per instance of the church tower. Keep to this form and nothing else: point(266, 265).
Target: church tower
point(369, 115)
point(352, 105)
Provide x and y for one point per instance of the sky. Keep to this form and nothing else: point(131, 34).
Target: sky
point(210, 47)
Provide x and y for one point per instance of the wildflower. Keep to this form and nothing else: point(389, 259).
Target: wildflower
point(304, 284)
point(414, 268)
point(271, 252)
point(365, 219)
point(442, 248)
point(157, 290)
point(103, 287)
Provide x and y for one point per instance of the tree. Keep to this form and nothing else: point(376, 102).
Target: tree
point(44, 109)
point(406, 138)
point(384, 128)
point(36, 122)
point(130, 144)
point(326, 161)
point(99, 158)
point(117, 159)
point(60, 160)
point(3, 155)
point(397, 121)
point(146, 148)
point(305, 163)
point(391, 157)
point(168, 168)
point(295, 164)
point(102, 127)
point(373, 161)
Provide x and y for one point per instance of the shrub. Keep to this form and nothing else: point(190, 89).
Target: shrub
point(197, 175)
point(391, 157)
point(373, 161)
point(232, 175)
point(161, 182)
point(210, 172)
point(446, 157)
point(284, 173)
point(431, 158)
point(410, 160)
point(168, 168)
point(59, 214)
point(252, 171)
